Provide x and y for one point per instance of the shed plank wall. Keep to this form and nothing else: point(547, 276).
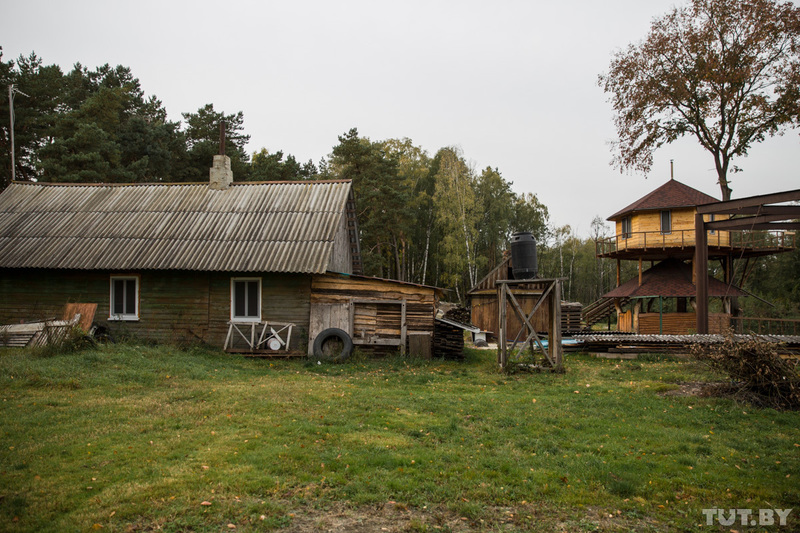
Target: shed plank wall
point(341, 260)
point(485, 313)
point(332, 294)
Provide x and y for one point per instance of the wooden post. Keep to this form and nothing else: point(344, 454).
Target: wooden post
point(554, 335)
point(640, 271)
point(501, 347)
point(701, 273)
point(403, 328)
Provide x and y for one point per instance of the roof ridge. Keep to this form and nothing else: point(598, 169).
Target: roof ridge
point(671, 194)
point(173, 183)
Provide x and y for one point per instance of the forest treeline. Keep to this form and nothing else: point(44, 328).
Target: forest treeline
point(429, 218)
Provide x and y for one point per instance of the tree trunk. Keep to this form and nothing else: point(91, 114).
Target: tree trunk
point(721, 162)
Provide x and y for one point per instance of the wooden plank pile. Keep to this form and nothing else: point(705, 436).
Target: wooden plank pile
point(448, 341)
point(615, 342)
point(36, 333)
point(17, 336)
point(571, 317)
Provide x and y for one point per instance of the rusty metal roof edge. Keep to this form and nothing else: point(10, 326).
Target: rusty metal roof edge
point(173, 183)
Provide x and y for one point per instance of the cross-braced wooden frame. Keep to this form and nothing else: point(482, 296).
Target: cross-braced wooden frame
point(550, 300)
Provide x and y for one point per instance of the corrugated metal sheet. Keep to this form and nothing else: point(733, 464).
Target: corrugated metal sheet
point(251, 227)
point(632, 338)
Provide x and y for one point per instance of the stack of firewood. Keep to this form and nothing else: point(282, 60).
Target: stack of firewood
point(459, 314)
point(448, 341)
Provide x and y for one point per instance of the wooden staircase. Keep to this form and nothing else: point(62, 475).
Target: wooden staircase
point(599, 310)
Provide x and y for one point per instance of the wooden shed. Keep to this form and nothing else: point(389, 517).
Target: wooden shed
point(379, 314)
point(485, 306)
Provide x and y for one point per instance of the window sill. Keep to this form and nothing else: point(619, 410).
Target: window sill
point(119, 318)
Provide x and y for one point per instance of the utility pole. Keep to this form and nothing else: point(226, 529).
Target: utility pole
point(11, 91)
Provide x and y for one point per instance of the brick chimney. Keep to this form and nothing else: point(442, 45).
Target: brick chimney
point(220, 174)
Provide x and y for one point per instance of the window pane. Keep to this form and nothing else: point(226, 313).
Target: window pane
point(252, 299)
point(666, 223)
point(118, 297)
point(626, 226)
point(239, 298)
point(130, 296)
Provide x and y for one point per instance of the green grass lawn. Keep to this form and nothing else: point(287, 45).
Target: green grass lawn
point(142, 438)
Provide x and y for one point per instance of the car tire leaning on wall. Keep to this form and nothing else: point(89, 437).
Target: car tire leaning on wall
point(325, 336)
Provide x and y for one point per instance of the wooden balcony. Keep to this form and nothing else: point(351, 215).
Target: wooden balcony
point(655, 245)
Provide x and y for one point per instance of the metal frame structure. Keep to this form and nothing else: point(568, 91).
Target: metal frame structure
point(753, 213)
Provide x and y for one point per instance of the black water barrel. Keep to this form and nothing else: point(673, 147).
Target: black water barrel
point(523, 255)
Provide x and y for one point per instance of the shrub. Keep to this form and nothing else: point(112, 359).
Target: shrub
point(758, 373)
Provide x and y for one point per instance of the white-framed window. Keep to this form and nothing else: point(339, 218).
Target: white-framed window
point(124, 298)
point(666, 221)
point(711, 219)
point(246, 299)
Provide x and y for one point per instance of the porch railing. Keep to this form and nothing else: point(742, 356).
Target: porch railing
point(684, 238)
point(768, 326)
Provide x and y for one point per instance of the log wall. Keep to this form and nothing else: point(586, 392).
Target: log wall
point(174, 306)
point(681, 323)
point(646, 231)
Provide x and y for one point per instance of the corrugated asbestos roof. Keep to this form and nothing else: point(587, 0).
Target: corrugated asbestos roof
point(672, 194)
point(250, 227)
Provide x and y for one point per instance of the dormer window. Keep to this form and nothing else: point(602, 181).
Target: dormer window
point(666, 222)
point(626, 227)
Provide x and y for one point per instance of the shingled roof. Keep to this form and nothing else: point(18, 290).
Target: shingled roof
point(673, 194)
point(671, 278)
point(250, 227)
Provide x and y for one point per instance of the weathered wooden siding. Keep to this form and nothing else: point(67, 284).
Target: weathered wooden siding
point(174, 306)
point(334, 297)
point(502, 271)
point(625, 321)
point(485, 312)
point(341, 259)
point(28, 294)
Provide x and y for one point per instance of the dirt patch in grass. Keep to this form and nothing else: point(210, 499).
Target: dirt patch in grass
point(395, 517)
point(701, 389)
point(391, 517)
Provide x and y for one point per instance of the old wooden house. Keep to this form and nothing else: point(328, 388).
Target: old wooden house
point(255, 267)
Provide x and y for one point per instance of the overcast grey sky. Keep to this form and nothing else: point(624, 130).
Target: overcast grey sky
point(512, 83)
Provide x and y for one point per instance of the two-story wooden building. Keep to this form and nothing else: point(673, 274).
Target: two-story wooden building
point(658, 232)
